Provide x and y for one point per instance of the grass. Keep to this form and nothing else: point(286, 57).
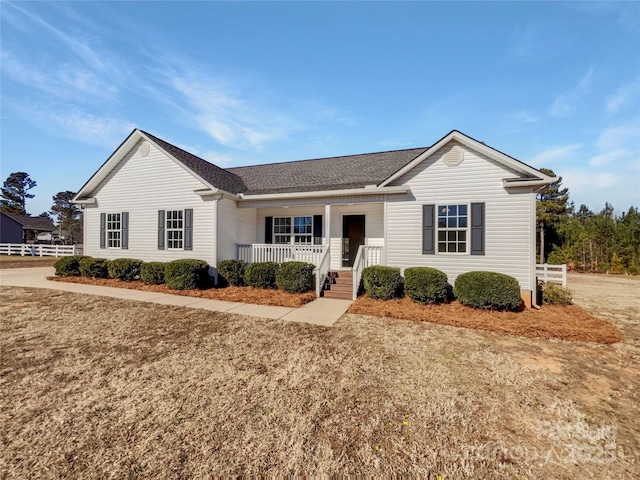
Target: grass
point(17, 261)
point(98, 387)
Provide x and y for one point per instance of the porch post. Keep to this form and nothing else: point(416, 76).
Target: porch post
point(384, 231)
point(327, 224)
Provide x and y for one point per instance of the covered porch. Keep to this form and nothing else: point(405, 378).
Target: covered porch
point(337, 238)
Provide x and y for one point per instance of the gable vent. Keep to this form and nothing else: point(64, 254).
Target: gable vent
point(144, 149)
point(454, 157)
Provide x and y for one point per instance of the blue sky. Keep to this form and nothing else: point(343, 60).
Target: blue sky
point(553, 84)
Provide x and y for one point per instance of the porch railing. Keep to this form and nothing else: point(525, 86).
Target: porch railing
point(322, 270)
point(35, 250)
point(366, 256)
point(552, 273)
point(268, 252)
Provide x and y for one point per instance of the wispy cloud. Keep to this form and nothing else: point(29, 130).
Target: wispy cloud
point(566, 102)
point(625, 96)
point(609, 158)
point(554, 154)
point(524, 116)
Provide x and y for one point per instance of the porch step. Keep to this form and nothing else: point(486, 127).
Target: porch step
point(339, 285)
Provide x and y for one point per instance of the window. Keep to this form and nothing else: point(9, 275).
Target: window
point(282, 230)
point(452, 228)
point(114, 230)
point(175, 229)
point(302, 230)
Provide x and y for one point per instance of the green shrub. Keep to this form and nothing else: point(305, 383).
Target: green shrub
point(382, 282)
point(152, 273)
point(68, 266)
point(187, 274)
point(231, 272)
point(488, 290)
point(261, 275)
point(554, 294)
point(296, 277)
point(94, 267)
point(425, 285)
point(127, 269)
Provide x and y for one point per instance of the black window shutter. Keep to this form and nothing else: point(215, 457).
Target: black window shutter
point(477, 229)
point(317, 229)
point(268, 229)
point(124, 242)
point(428, 229)
point(188, 229)
point(160, 229)
point(103, 230)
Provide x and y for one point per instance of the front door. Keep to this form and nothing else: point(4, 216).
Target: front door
point(352, 238)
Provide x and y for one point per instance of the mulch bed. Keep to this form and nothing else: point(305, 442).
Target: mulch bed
point(256, 296)
point(567, 323)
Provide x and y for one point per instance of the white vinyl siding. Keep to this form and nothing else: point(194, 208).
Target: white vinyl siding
point(142, 185)
point(508, 220)
point(235, 225)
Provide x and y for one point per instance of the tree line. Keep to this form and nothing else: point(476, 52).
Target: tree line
point(66, 215)
point(588, 241)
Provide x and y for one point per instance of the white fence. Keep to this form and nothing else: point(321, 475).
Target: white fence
point(24, 249)
point(269, 252)
point(552, 273)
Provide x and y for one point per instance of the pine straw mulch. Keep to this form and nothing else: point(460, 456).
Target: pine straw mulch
point(551, 321)
point(256, 296)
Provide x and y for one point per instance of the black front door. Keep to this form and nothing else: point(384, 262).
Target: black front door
point(352, 238)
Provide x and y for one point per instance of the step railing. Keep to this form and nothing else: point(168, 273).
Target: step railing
point(322, 270)
point(367, 255)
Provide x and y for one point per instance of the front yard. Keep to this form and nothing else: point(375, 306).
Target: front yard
point(99, 387)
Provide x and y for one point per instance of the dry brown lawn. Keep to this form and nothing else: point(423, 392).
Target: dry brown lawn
point(97, 387)
point(17, 261)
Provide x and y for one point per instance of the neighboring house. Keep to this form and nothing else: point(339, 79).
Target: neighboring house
point(458, 206)
point(22, 228)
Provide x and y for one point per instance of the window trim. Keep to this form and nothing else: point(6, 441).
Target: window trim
point(308, 223)
point(170, 229)
point(438, 229)
point(110, 223)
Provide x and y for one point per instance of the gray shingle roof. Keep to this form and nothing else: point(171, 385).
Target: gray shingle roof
point(42, 224)
point(216, 176)
point(333, 173)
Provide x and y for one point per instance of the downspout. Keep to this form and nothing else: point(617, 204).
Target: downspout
point(216, 199)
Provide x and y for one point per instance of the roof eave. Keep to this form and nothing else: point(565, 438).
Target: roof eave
point(368, 190)
point(528, 182)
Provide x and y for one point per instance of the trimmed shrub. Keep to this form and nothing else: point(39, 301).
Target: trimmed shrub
point(231, 272)
point(127, 269)
point(186, 274)
point(152, 273)
point(296, 277)
point(94, 267)
point(554, 294)
point(488, 290)
point(425, 285)
point(69, 266)
point(261, 275)
point(382, 282)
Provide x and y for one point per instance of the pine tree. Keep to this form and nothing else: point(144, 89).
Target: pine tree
point(551, 209)
point(14, 193)
point(69, 215)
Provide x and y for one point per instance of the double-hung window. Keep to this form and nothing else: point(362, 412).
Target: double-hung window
point(301, 233)
point(114, 230)
point(175, 229)
point(452, 228)
point(282, 229)
point(303, 230)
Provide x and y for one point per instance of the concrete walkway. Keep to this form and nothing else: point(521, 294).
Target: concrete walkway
point(322, 311)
